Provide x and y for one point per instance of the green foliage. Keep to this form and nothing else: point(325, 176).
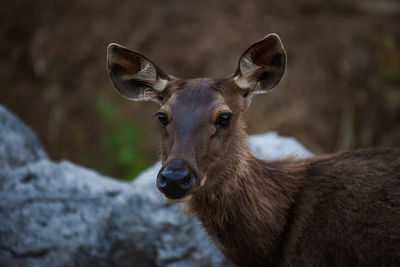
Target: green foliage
point(121, 150)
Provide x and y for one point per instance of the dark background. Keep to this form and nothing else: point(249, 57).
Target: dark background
point(341, 89)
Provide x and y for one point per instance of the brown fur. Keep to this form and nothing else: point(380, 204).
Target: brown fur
point(259, 218)
point(337, 210)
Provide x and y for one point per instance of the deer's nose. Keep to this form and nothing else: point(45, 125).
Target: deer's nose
point(175, 179)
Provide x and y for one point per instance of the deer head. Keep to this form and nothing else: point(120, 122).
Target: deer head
point(203, 133)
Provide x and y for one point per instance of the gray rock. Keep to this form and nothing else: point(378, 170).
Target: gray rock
point(61, 214)
point(272, 146)
point(18, 144)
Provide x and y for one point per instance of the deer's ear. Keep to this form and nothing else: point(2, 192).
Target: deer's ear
point(134, 75)
point(261, 66)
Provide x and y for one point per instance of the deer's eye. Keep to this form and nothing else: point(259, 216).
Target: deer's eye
point(223, 120)
point(163, 118)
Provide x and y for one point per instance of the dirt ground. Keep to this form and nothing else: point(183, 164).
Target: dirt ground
point(341, 89)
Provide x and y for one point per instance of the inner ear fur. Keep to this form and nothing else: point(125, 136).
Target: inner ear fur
point(261, 66)
point(135, 76)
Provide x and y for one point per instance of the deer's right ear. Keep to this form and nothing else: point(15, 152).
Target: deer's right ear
point(134, 75)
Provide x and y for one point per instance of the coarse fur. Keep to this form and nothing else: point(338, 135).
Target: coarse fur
point(336, 210)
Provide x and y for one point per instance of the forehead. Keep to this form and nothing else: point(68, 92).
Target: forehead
point(199, 95)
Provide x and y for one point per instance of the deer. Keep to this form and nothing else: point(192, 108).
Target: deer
point(341, 209)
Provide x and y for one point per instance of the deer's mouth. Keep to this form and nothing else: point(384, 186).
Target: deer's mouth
point(179, 200)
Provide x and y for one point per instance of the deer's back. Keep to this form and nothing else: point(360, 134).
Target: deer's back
point(348, 213)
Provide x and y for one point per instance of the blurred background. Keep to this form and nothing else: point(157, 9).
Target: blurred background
point(341, 89)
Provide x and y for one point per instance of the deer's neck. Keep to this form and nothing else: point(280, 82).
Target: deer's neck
point(249, 207)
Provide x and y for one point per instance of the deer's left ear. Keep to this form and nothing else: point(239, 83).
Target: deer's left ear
point(261, 66)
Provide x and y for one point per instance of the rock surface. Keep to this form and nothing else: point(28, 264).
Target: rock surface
point(61, 214)
point(18, 144)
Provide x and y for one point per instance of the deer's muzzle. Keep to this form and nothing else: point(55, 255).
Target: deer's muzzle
point(175, 179)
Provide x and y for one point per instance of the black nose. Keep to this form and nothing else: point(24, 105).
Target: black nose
point(175, 179)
